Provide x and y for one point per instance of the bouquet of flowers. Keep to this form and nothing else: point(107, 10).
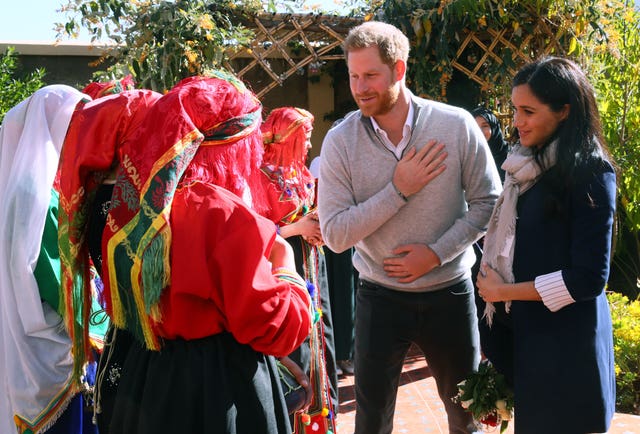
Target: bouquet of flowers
point(487, 397)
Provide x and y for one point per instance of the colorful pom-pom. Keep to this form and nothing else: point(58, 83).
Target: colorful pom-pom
point(325, 412)
point(305, 418)
point(311, 288)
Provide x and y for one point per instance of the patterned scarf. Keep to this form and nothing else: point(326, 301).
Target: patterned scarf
point(95, 136)
point(137, 237)
point(522, 172)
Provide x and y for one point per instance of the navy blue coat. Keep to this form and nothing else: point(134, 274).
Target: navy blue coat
point(562, 362)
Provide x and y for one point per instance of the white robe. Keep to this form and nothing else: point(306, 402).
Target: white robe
point(35, 357)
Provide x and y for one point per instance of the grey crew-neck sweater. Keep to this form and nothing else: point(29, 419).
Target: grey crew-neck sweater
point(358, 205)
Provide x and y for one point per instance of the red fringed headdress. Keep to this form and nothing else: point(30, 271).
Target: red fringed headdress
point(198, 113)
point(285, 136)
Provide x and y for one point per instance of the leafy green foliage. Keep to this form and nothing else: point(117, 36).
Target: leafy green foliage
point(626, 344)
point(161, 42)
point(304, 6)
point(616, 77)
point(614, 69)
point(436, 29)
point(14, 89)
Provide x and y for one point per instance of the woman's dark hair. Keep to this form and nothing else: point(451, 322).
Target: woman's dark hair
point(557, 82)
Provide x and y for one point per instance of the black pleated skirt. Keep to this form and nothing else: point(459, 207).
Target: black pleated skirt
point(210, 385)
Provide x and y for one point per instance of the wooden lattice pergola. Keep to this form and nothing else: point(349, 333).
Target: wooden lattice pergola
point(543, 40)
point(301, 40)
point(492, 46)
point(309, 40)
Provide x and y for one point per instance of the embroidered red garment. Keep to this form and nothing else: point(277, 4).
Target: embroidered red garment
point(215, 113)
point(221, 278)
point(290, 189)
point(95, 137)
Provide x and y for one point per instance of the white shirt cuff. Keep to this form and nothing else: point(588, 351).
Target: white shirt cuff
point(553, 291)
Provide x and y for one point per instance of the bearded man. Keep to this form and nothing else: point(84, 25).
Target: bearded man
point(411, 184)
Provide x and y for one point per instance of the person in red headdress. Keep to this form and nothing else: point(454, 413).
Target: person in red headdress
point(201, 283)
point(48, 387)
point(290, 192)
point(38, 394)
point(92, 148)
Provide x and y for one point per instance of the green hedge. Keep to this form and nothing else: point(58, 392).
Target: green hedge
point(626, 340)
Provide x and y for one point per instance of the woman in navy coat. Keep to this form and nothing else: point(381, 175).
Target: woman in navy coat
point(547, 254)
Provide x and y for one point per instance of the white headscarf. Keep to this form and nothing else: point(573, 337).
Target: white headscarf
point(521, 173)
point(35, 358)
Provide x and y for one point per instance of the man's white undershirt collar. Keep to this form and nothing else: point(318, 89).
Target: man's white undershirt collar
point(406, 134)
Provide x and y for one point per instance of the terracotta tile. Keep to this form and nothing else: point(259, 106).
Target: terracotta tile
point(419, 409)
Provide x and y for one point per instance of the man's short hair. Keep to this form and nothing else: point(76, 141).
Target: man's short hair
point(392, 44)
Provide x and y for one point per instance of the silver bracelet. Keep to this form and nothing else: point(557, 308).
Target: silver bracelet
point(399, 192)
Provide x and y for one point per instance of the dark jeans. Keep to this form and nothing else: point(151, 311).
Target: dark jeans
point(442, 324)
point(342, 282)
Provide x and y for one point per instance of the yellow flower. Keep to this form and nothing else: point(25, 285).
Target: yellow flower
point(205, 22)
point(192, 56)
